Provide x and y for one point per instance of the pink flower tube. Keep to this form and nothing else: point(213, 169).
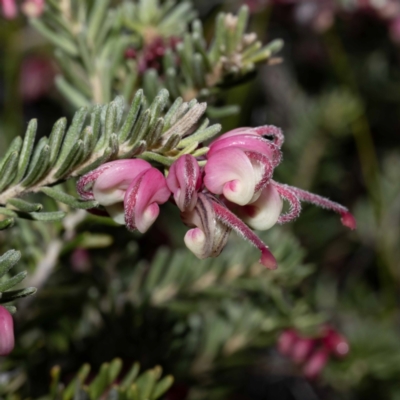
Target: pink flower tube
point(6, 332)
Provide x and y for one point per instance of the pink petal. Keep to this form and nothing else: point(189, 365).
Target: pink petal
point(142, 198)
point(301, 349)
point(316, 363)
point(286, 341)
point(6, 332)
point(263, 213)
point(246, 141)
point(196, 241)
point(184, 180)
point(111, 184)
point(230, 172)
point(209, 236)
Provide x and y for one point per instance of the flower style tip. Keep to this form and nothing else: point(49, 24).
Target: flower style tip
point(6, 332)
point(349, 220)
point(184, 180)
point(145, 193)
point(268, 260)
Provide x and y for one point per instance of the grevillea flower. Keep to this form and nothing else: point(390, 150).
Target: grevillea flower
point(313, 353)
point(6, 332)
point(184, 181)
point(129, 190)
point(241, 162)
point(9, 8)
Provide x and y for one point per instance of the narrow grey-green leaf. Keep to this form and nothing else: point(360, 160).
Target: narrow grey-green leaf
point(72, 135)
point(200, 136)
point(158, 105)
point(55, 139)
point(74, 96)
point(115, 369)
point(99, 383)
point(72, 159)
point(150, 156)
point(95, 122)
point(68, 199)
point(39, 168)
point(99, 161)
point(146, 383)
point(6, 223)
point(8, 260)
point(47, 216)
point(15, 146)
point(162, 387)
point(96, 18)
point(58, 40)
point(132, 116)
point(8, 171)
point(23, 205)
point(8, 284)
point(131, 376)
point(141, 128)
point(17, 294)
point(171, 112)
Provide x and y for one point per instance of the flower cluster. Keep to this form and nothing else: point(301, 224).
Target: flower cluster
point(6, 332)
point(152, 53)
point(234, 191)
point(313, 353)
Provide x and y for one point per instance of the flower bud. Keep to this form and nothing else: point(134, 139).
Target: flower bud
point(6, 332)
point(209, 235)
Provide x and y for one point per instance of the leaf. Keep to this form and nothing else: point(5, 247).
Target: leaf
point(17, 294)
point(67, 199)
point(27, 148)
point(12, 281)
point(8, 260)
point(23, 205)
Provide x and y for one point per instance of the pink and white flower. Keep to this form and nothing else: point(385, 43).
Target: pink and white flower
point(241, 162)
point(129, 190)
point(6, 332)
